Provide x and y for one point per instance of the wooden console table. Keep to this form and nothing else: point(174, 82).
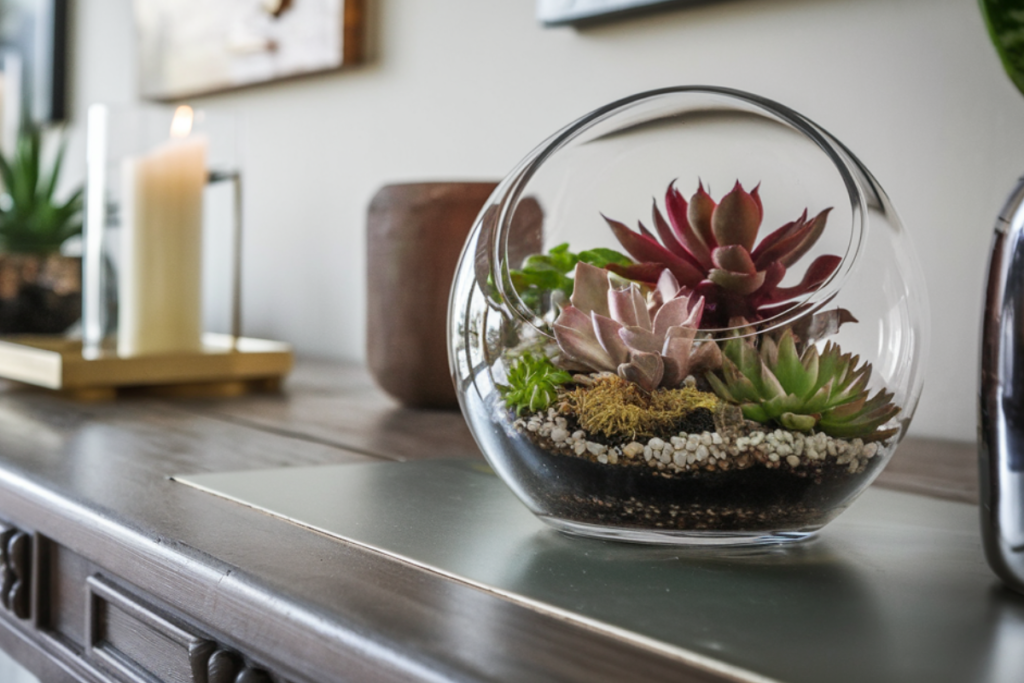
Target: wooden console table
point(111, 571)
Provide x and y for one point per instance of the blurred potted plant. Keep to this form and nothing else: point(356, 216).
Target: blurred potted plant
point(40, 289)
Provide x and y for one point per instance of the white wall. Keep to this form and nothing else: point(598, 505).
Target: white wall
point(462, 89)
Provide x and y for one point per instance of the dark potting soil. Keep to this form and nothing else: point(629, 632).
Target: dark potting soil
point(631, 494)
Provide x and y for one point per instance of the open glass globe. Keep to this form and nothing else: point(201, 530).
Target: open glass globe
point(692, 316)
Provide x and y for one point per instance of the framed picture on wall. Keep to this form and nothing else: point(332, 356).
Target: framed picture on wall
point(191, 47)
point(561, 12)
point(33, 62)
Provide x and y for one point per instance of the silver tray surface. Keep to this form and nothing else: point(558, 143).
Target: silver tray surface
point(896, 589)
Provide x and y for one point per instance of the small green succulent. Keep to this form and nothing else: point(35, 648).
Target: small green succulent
point(542, 274)
point(533, 383)
point(825, 391)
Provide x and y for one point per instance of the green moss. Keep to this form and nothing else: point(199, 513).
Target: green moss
point(615, 408)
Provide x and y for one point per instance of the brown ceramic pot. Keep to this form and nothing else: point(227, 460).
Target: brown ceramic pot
point(414, 235)
point(39, 294)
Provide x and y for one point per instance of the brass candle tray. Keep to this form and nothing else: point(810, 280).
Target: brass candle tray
point(226, 366)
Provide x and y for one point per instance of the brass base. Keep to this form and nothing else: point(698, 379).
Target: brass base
point(227, 366)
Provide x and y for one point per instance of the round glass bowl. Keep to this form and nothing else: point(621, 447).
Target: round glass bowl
point(692, 316)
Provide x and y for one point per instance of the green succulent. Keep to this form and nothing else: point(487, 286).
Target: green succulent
point(826, 392)
point(31, 219)
point(533, 383)
point(542, 274)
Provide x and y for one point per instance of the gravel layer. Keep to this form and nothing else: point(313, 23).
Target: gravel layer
point(740, 477)
point(708, 451)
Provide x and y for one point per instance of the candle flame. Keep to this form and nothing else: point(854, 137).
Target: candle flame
point(181, 125)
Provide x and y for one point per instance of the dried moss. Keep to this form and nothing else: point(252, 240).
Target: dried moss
point(615, 408)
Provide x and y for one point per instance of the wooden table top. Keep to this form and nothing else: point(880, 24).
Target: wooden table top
point(95, 478)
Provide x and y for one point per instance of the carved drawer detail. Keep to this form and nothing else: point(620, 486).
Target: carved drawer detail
point(211, 664)
point(15, 571)
point(142, 644)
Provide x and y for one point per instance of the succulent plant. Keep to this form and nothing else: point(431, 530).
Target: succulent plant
point(533, 383)
point(709, 248)
point(543, 274)
point(616, 330)
point(826, 391)
point(31, 219)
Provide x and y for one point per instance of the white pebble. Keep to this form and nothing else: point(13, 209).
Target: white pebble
point(579, 434)
point(666, 456)
point(603, 459)
point(596, 448)
point(560, 422)
point(793, 461)
point(871, 450)
point(656, 443)
point(784, 449)
point(716, 439)
point(757, 438)
point(580, 447)
point(678, 442)
point(706, 439)
point(774, 457)
point(613, 458)
point(558, 435)
point(679, 458)
point(701, 452)
point(633, 449)
point(648, 453)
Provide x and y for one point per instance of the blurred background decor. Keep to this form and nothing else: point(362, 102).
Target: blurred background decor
point(187, 47)
point(40, 289)
point(1000, 406)
point(33, 47)
point(562, 12)
point(414, 234)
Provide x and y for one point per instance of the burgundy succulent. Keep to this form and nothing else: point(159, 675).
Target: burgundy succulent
point(709, 248)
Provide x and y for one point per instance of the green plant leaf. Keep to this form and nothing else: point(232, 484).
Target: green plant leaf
point(542, 274)
point(532, 383)
point(1005, 21)
point(826, 392)
point(32, 221)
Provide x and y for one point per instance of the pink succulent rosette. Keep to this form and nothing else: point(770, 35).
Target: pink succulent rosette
point(649, 343)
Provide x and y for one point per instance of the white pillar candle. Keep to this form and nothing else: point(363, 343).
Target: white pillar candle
point(159, 287)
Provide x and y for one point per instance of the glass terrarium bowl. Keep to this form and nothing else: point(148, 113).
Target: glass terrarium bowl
point(691, 316)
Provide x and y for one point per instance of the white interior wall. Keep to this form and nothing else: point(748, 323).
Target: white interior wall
point(462, 89)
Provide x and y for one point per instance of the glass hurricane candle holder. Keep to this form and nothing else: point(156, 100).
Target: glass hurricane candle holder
point(719, 340)
point(162, 229)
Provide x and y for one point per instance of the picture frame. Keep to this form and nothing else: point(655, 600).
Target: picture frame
point(575, 12)
point(33, 61)
point(195, 47)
